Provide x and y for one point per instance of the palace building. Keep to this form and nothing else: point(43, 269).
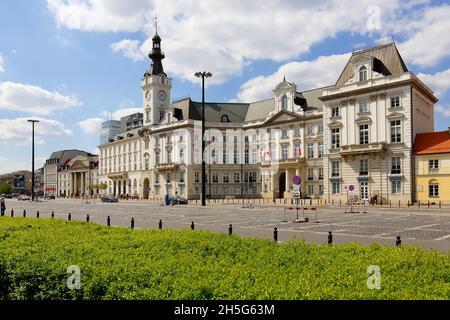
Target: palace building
point(359, 131)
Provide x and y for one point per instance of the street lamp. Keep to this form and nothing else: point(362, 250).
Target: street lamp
point(32, 158)
point(203, 75)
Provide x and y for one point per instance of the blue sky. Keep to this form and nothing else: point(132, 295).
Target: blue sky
point(69, 62)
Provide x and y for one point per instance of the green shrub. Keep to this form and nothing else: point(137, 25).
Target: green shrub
point(118, 263)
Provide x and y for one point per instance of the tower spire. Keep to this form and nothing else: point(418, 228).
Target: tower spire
point(156, 24)
point(156, 55)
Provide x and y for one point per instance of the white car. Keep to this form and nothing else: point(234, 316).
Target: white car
point(23, 197)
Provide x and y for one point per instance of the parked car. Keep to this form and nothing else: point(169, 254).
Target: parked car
point(50, 197)
point(23, 197)
point(6, 196)
point(177, 200)
point(109, 198)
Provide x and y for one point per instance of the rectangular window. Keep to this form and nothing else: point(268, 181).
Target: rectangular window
point(320, 173)
point(320, 150)
point(215, 177)
point(363, 107)
point(168, 178)
point(254, 155)
point(396, 187)
point(320, 128)
point(284, 152)
point(310, 150)
point(157, 158)
point(284, 133)
point(364, 134)
point(335, 138)
point(182, 177)
point(169, 156)
point(161, 114)
point(433, 164)
point(246, 156)
point(197, 176)
point(433, 190)
point(321, 189)
point(309, 130)
point(310, 189)
point(310, 174)
point(215, 190)
point(181, 155)
point(363, 167)
point(335, 168)
point(395, 102)
point(396, 167)
point(237, 177)
point(296, 132)
point(335, 187)
point(226, 177)
point(335, 112)
point(297, 150)
point(226, 190)
point(396, 135)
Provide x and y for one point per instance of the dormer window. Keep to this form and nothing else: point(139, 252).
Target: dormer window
point(224, 118)
point(363, 73)
point(284, 102)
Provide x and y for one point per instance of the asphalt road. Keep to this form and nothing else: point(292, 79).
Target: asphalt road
point(429, 228)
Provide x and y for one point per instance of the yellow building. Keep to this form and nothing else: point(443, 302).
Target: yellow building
point(432, 166)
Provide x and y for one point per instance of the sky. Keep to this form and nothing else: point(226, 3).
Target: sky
point(73, 63)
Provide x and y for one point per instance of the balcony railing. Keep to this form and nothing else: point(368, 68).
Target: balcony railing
point(375, 147)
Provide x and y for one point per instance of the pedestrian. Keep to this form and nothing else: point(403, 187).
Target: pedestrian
point(2, 206)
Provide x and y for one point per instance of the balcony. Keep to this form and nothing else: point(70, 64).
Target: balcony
point(118, 175)
point(354, 149)
point(166, 166)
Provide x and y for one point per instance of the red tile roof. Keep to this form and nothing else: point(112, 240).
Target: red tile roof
point(432, 142)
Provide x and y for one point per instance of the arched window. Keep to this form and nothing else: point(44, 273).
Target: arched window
point(433, 188)
point(284, 102)
point(362, 73)
point(225, 118)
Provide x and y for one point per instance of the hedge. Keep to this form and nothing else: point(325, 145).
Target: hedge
point(119, 263)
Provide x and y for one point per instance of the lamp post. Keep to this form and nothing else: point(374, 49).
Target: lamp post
point(203, 75)
point(32, 157)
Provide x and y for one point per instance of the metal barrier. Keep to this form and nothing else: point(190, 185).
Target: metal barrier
point(304, 210)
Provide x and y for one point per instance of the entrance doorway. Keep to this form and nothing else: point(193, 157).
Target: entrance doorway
point(364, 190)
point(282, 184)
point(146, 188)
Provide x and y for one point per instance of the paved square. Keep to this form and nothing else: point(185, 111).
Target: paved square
point(429, 228)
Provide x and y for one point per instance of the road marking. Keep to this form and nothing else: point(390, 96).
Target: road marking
point(443, 238)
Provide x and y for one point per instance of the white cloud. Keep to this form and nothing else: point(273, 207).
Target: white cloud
point(439, 82)
point(91, 126)
point(18, 131)
point(442, 110)
point(428, 42)
point(129, 48)
point(220, 36)
point(33, 99)
point(306, 74)
point(2, 64)
point(9, 165)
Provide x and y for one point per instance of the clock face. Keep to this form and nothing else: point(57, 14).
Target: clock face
point(148, 95)
point(162, 95)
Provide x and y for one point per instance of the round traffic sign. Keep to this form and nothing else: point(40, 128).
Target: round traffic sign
point(351, 187)
point(296, 179)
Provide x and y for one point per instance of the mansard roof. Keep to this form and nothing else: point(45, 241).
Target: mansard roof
point(387, 60)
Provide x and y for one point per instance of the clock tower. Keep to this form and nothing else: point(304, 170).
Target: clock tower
point(156, 86)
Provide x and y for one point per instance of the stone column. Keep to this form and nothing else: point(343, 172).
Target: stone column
point(287, 180)
point(82, 183)
point(272, 182)
point(71, 184)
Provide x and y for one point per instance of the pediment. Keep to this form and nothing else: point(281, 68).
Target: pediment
point(363, 119)
point(335, 124)
point(395, 115)
point(282, 116)
point(78, 164)
point(361, 58)
point(283, 86)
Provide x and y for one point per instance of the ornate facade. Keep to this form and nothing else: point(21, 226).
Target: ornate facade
point(359, 131)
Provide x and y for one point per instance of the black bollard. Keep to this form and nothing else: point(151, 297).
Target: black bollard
point(12, 213)
point(37, 214)
point(192, 225)
point(275, 234)
point(330, 237)
point(230, 229)
point(160, 224)
point(53, 214)
point(132, 223)
point(70, 216)
point(108, 221)
point(24, 213)
point(398, 243)
point(87, 218)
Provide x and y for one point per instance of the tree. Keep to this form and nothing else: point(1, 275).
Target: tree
point(5, 188)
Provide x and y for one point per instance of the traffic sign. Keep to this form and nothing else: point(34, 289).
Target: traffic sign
point(296, 180)
point(296, 187)
point(351, 187)
point(296, 194)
